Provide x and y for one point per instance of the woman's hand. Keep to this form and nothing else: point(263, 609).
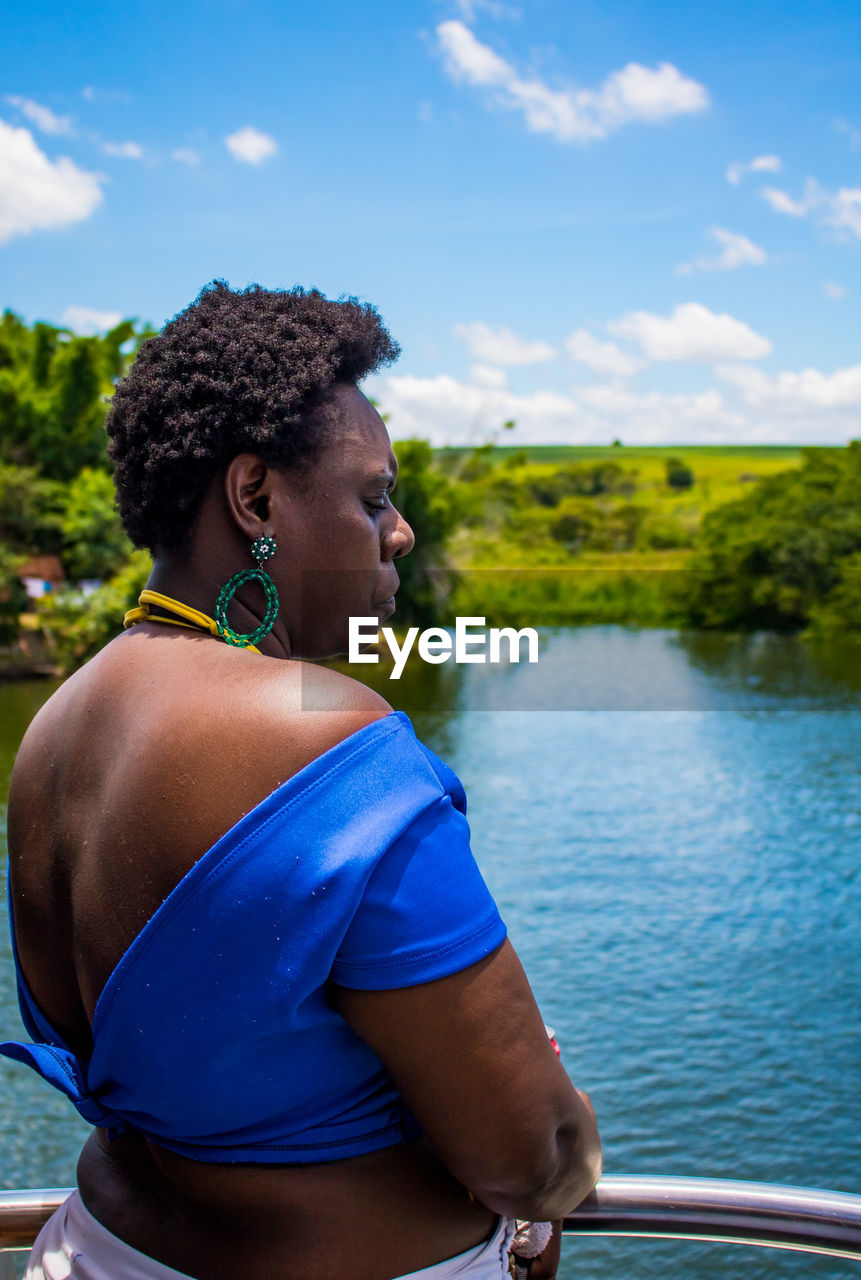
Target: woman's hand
point(546, 1264)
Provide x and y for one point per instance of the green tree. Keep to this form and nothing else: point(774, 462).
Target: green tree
point(71, 431)
point(679, 474)
point(94, 544)
point(579, 478)
point(46, 339)
point(772, 558)
point(574, 523)
point(54, 388)
point(56, 495)
point(838, 616)
point(30, 511)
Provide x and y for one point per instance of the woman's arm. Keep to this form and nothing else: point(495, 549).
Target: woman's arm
point(471, 1058)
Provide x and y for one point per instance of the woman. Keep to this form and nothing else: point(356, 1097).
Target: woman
point(253, 946)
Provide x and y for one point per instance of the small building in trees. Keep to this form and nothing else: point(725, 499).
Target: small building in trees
point(40, 575)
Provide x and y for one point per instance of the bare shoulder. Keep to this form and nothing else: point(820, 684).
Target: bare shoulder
point(193, 735)
point(309, 709)
point(48, 731)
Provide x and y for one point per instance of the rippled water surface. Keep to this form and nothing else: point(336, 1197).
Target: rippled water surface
point(676, 852)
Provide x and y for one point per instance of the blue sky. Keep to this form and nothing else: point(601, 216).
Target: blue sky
point(598, 219)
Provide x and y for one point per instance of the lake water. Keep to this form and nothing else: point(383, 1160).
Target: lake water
point(676, 850)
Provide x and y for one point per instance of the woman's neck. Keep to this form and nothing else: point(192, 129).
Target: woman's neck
point(198, 584)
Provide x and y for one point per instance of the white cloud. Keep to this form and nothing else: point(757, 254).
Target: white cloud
point(832, 290)
point(657, 416)
point(796, 392)
point(602, 357)
point(250, 146)
point(635, 93)
point(37, 193)
point(781, 202)
point(501, 346)
point(638, 93)
point(692, 333)
point(185, 155)
point(446, 411)
point(805, 408)
point(737, 252)
point(86, 321)
point(759, 164)
point(485, 375)
point(42, 117)
point(468, 59)
point(844, 211)
point(125, 150)
point(840, 210)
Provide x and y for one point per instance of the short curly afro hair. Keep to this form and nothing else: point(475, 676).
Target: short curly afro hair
point(239, 371)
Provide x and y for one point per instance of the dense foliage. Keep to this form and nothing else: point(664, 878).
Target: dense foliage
point(53, 390)
point(786, 554)
point(56, 493)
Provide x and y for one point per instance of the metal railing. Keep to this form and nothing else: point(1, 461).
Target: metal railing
point(24, 1213)
point(756, 1213)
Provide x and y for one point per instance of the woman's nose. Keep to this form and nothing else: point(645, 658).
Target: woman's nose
point(398, 541)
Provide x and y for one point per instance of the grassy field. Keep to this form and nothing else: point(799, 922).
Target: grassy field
point(628, 547)
point(721, 474)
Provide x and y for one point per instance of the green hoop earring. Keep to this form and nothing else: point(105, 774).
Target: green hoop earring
point(262, 548)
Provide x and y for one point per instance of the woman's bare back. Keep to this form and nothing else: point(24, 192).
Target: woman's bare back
point(136, 767)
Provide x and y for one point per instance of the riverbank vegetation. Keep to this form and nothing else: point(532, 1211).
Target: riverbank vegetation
point(727, 538)
point(57, 517)
point(717, 537)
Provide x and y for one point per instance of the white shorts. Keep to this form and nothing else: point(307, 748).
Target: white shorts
point(72, 1245)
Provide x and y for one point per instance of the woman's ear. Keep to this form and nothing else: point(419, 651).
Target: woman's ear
point(247, 489)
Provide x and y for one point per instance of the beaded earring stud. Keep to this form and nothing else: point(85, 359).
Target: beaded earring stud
point(262, 549)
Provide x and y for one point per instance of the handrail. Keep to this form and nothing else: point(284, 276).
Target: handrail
point(756, 1213)
point(24, 1213)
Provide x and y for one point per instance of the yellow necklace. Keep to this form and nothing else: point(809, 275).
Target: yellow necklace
point(184, 615)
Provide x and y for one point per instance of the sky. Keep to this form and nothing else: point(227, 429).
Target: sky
point(598, 219)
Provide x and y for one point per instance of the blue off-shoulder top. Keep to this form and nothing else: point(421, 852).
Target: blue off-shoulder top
point(215, 1036)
